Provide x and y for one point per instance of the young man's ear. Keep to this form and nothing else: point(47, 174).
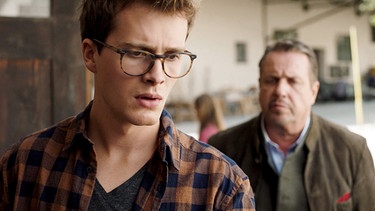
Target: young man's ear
point(88, 52)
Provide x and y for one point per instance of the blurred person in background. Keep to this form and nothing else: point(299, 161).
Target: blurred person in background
point(210, 116)
point(295, 159)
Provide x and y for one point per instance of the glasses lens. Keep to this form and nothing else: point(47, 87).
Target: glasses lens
point(177, 65)
point(139, 62)
point(135, 62)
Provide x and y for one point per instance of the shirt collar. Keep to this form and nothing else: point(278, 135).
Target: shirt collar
point(299, 140)
point(77, 128)
point(170, 147)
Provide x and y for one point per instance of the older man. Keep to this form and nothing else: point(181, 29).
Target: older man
point(295, 159)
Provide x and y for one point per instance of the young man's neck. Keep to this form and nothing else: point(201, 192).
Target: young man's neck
point(121, 149)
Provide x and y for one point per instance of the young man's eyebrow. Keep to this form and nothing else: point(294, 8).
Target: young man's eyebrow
point(151, 49)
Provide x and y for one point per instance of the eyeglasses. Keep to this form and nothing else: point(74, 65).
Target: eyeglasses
point(139, 62)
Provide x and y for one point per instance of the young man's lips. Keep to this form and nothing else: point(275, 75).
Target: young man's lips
point(149, 100)
point(149, 96)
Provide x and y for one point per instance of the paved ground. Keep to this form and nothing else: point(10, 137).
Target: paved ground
point(338, 112)
point(344, 113)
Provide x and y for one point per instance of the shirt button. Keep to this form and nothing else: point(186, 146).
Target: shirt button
point(89, 169)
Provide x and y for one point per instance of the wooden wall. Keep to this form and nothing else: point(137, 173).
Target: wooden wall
point(42, 76)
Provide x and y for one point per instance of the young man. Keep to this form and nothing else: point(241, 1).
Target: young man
point(295, 159)
point(123, 151)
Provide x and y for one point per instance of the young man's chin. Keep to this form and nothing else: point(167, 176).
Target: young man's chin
point(147, 118)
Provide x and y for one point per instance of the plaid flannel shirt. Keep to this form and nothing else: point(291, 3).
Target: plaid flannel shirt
point(55, 169)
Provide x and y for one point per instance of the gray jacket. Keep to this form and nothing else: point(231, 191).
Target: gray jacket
point(338, 162)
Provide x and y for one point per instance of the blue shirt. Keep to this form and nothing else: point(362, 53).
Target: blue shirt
point(276, 157)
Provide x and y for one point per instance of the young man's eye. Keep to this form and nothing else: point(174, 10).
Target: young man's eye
point(137, 54)
point(173, 56)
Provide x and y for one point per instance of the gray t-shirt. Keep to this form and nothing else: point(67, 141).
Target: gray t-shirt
point(121, 198)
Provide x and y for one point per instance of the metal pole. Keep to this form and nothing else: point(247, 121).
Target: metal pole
point(356, 76)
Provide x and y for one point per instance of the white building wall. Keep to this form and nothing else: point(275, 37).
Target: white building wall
point(222, 23)
point(219, 26)
point(323, 33)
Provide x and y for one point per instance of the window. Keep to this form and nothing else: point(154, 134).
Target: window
point(372, 25)
point(285, 34)
point(25, 8)
point(343, 48)
point(241, 52)
point(340, 70)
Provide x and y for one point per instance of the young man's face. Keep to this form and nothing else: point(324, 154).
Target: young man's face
point(137, 100)
point(286, 92)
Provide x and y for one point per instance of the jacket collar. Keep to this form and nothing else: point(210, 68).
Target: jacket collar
point(312, 134)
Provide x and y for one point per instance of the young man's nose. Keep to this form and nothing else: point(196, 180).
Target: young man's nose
point(156, 75)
